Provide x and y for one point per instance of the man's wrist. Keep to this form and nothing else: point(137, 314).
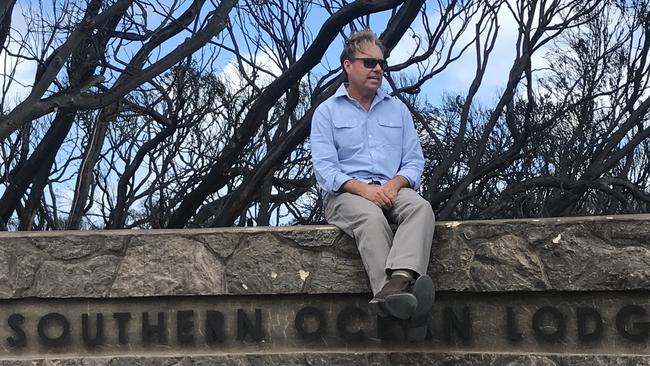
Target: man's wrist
point(399, 182)
point(353, 186)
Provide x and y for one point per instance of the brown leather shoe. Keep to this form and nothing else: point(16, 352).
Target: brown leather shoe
point(395, 298)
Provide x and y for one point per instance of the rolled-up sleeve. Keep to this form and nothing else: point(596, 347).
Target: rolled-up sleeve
point(324, 156)
point(412, 164)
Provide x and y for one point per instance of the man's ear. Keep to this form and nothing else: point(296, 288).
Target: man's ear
point(346, 66)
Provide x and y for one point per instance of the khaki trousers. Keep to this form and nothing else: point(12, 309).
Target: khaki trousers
point(380, 250)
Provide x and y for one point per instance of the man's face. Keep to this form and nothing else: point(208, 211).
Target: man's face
point(364, 79)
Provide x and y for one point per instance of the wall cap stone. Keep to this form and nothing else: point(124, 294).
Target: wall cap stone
point(595, 253)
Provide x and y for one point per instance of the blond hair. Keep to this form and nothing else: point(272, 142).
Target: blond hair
point(358, 41)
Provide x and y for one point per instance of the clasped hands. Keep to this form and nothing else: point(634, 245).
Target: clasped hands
point(383, 195)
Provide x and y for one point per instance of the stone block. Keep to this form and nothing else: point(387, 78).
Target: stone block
point(167, 265)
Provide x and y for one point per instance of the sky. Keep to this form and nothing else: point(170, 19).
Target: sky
point(455, 79)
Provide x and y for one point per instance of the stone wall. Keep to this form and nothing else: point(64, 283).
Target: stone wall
point(317, 263)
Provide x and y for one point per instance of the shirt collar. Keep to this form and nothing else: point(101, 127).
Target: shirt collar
point(343, 91)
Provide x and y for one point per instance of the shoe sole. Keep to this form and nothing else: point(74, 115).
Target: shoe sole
point(400, 306)
point(425, 293)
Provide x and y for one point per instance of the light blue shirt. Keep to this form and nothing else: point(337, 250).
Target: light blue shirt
point(348, 142)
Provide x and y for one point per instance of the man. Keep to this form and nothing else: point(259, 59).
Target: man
point(368, 161)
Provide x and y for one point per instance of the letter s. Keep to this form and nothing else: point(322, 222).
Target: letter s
point(19, 339)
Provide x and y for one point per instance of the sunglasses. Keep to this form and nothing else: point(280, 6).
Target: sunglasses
point(370, 63)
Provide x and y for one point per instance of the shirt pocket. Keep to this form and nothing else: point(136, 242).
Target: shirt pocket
point(390, 134)
point(348, 134)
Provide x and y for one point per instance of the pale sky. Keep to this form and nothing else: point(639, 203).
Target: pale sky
point(455, 79)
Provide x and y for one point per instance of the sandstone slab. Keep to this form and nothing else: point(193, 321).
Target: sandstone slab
point(174, 265)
